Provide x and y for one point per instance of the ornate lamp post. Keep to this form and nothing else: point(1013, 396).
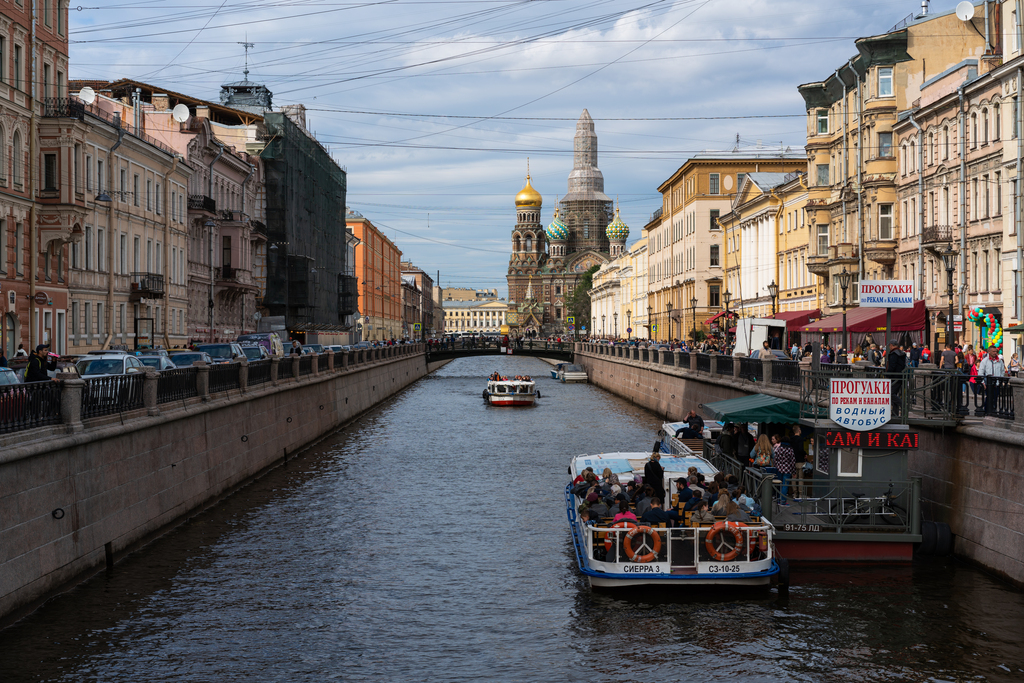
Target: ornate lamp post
point(650, 322)
point(668, 307)
point(727, 297)
point(629, 315)
point(615, 317)
point(693, 314)
point(773, 292)
point(844, 284)
point(602, 324)
point(949, 255)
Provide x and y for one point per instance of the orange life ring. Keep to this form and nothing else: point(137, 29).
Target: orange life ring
point(716, 530)
point(655, 544)
point(608, 542)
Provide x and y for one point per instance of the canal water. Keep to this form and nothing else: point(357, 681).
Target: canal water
point(429, 542)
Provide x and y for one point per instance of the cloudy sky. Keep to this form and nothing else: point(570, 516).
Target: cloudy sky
point(433, 106)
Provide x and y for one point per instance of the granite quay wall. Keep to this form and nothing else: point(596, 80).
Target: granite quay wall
point(972, 476)
point(76, 496)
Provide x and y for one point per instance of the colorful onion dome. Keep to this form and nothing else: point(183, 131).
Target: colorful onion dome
point(557, 231)
point(528, 196)
point(617, 231)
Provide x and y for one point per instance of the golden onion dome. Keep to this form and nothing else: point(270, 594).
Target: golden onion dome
point(528, 196)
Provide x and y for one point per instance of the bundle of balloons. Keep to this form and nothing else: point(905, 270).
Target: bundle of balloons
point(991, 330)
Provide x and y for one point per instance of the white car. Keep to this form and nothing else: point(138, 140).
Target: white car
point(98, 364)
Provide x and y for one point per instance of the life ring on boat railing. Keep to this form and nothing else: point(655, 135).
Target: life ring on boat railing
point(655, 544)
point(718, 530)
point(608, 540)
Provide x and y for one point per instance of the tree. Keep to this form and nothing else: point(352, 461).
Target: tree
point(577, 304)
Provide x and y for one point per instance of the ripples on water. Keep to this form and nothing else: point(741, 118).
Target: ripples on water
point(429, 543)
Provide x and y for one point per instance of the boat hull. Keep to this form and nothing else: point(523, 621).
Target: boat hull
point(679, 581)
point(517, 401)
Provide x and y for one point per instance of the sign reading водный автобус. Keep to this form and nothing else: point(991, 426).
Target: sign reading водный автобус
point(887, 293)
point(860, 404)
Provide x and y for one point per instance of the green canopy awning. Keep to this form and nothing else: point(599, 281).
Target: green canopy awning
point(1016, 328)
point(754, 409)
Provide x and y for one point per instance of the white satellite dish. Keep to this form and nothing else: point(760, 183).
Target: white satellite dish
point(87, 95)
point(965, 10)
point(180, 113)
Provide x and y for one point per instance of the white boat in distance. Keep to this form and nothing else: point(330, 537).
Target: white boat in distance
point(640, 554)
point(572, 373)
point(511, 392)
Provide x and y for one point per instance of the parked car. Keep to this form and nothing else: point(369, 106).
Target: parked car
point(268, 340)
point(8, 377)
point(227, 352)
point(338, 348)
point(184, 359)
point(158, 363)
point(96, 364)
point(314, 348)
point(254, 351)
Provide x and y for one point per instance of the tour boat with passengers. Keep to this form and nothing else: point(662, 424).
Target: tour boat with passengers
point(511, 392)
point(629, 554)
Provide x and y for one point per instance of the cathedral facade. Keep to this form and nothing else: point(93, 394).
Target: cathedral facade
point(546, 263)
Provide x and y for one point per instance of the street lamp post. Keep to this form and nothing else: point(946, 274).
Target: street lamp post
point(949, 260)
point(727, 297)
point(693, 314)
point(602, 325)
point(773, 291)
point(650, 322)
point(615, 317)
point(844, 284)
point(628, 325)
point(668, 307)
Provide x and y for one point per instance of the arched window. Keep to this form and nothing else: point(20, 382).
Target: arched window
point(974, 129)
point(16, 158)
point(3, 156)
point(529, 243)
point(945, 142)
point(984, 127)
point(516, 244)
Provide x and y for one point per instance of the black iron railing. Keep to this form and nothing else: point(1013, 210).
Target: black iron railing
point(786, 372)
point(176, 385)
point(936, 233)
point(993, 396)
point(923, 395)
point(305, 365)
point(259, 372)
point(321, 362)
point(112, 394)
point(226, 273)
point(224, 377)
point(703, 362)
point(752, 369)
point(24, 406)
point(725, 365)
point(200, 202)
point(63, 107)
point(684, 359)
point(147, 284)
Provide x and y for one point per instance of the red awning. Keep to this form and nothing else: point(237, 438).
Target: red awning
point(872, 320)
point(795, 319)
point(716, 316)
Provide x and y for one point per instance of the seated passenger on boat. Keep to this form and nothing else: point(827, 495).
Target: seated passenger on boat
point(624, 512)
point(700, 514)
point(643, 501)
point(495, 376)
point(598, 508)
point(655, 515)
point(582, 476)
point(722, 504)
point(698, 498)
point(733, 513)
point(694, 428)
point(683, 492)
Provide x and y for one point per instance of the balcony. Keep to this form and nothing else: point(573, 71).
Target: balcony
point(63, 108)
point(233, 277)
point(933, 234)
point(146, 286)
point(200, 202)
point(233, 216)
point(882, 252)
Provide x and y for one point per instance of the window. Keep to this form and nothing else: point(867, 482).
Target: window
point(60, 84)
point(885, 81)
point(739, 180)
point(135, 189)
point(997, 132)
point(99, 176)
point(124, 185)
point(156, 199)
point(984, 127)
point(174, 199)
point(974, 130)
point(47, 19)
point(945, 142)
point(88, 248)
point(46, 80)
point(822, 170)
point(19, 246)
point(49, 172)
point(714, 255)
point(822, 121)
point(714, 219)
point(101, 263)
point(123, 255)
point(999, 193)
point(3, 246)
point(3, 59)
point(714, 300)
point(885, 221)
point(885, 144)
point(16, 158)
point(17, 67)
point(74, 320)
point(149, 195)
point(713, 183)
point(88, 319)
point(823, 239)
point(60, 18)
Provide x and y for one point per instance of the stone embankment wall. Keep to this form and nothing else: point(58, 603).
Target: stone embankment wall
point(971, 475)
point(74, 501)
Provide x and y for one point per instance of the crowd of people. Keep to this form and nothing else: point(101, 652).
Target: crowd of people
point(607, 499)
point(498, 377)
